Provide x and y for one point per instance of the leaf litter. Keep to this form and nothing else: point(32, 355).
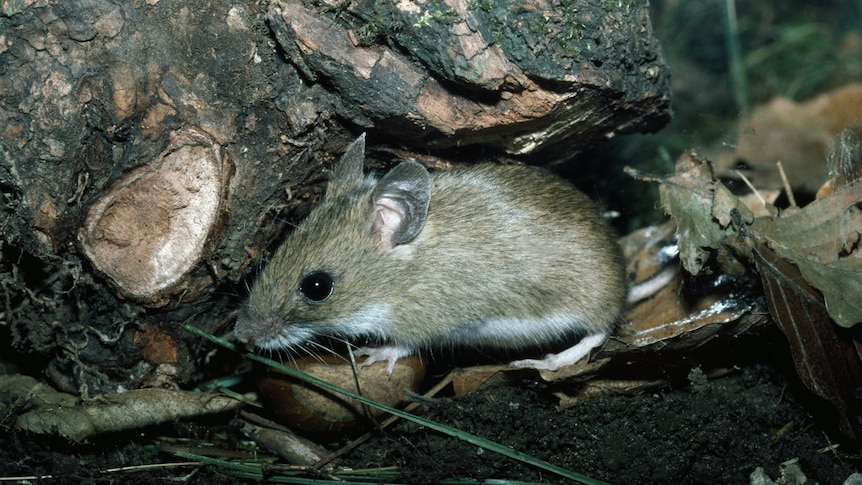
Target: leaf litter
point(808, 260)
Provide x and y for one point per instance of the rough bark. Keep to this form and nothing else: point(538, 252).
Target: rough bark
point(520, 76)
point(152, 152)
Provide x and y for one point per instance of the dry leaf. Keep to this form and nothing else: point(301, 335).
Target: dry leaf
point(822, 240)
point(809, 138)
point(810, 266)
point(826, 361)
point(291, 447)
point(688, 196)
point(605, 387)
point(121, 411)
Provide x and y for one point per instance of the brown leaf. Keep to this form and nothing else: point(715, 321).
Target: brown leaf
point(822, 240)
point(806, 137)
point(467, 380)
point(825, 357)
point(811, 270)
point(605, 387)
point(688, 196)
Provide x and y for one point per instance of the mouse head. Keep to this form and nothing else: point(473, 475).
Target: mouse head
point(332, 274)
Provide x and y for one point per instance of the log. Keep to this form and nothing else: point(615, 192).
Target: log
point(153, 153)
point(520, 76)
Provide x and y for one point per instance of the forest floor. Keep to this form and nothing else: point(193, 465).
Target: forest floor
point(695, 430)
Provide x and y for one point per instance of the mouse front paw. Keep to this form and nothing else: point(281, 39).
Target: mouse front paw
point(387, 353)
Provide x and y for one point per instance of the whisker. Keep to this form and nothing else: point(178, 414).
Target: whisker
point(317, 355)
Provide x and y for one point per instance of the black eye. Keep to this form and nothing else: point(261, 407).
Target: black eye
point(316, 286)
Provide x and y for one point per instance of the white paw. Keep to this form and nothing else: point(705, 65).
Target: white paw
point(387, 353)
point(568, 357)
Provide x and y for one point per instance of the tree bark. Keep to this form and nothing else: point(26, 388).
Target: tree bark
point(153, 152)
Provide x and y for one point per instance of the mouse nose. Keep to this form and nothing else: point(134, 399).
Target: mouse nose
point(255, 330)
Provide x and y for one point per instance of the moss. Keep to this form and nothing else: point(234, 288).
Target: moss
point(436, 12)
point(373, 30)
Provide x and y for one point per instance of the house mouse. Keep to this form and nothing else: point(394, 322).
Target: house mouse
point(490, 255)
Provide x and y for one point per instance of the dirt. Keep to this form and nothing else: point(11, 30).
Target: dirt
point(695, 430)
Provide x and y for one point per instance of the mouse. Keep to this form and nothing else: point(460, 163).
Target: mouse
point(489, 255)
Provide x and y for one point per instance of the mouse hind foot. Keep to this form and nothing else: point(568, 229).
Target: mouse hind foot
point(565, 358)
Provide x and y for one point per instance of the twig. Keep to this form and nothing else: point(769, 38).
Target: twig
point(135, 468)
point(751, 186)
point(151, 466)
point(27, 478)
point(643, 176)
point(786, 183)
point(367, 410)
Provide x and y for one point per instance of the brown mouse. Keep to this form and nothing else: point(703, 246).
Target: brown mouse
point(490, 255)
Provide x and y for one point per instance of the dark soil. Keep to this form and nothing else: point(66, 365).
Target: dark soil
point(696, 430)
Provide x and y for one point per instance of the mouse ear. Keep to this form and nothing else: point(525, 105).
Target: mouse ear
point(401, 204)
point(348, 171)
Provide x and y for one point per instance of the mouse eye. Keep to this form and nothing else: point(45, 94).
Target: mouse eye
point(317, 286)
